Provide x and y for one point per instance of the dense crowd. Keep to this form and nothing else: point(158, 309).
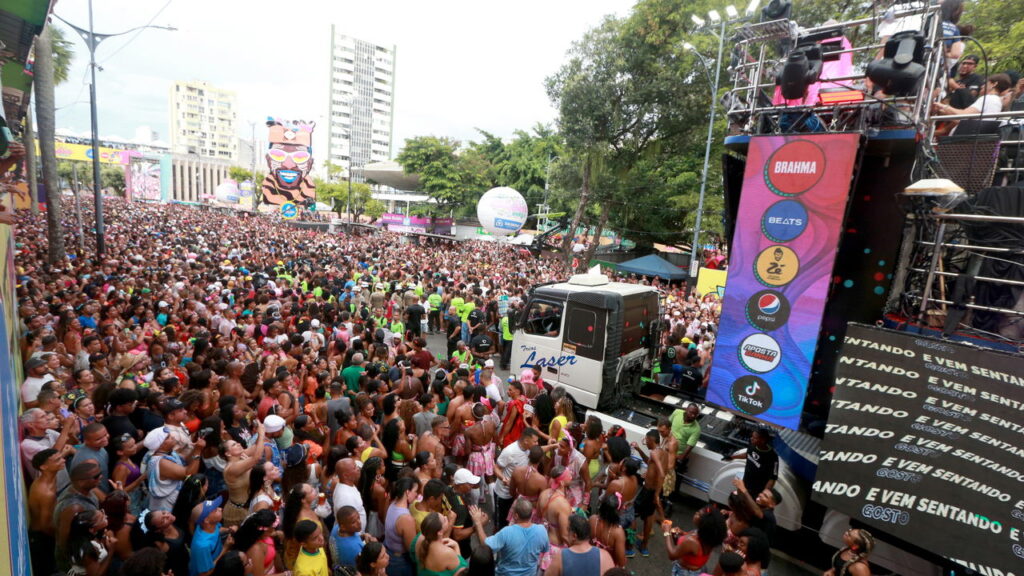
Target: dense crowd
point(228, 395)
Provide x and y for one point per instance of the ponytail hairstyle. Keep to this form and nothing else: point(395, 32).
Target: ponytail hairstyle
point(865, 545)
point(431, 530)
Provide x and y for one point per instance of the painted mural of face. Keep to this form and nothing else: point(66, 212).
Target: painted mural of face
point(289, 162)
point(289, 158)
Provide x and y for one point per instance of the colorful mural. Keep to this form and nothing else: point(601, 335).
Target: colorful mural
point(289, 163)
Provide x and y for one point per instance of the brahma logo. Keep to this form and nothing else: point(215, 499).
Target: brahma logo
point(751, 395)
point(760, 353)
point(784, 221)
point(794, 168)
point(767, 310)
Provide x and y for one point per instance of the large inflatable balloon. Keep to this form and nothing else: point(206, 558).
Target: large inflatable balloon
point(227, 192)
point(502, 211)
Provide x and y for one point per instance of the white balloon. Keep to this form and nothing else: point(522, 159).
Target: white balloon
point(227, 192)
point(502, 211)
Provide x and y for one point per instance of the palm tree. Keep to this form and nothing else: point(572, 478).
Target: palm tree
point(53, 60)
point(45, 76)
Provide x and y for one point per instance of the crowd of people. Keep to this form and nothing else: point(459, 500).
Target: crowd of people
point(228, 395)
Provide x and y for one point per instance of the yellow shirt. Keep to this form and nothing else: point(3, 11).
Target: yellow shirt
point(417, 515)
point(307, 564)
point(562, 432)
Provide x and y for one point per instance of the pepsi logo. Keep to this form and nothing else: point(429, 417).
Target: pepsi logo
point(767, 310)
point(769, 304)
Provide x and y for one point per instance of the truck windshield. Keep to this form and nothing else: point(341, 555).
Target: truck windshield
point(543, 318)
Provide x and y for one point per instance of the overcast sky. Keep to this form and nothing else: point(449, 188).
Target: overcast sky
point(461, 64)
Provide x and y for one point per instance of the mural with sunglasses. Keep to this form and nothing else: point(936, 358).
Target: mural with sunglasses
point(289, 163)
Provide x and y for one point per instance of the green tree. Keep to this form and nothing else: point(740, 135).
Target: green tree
point(1000, 29)
point(452, 176)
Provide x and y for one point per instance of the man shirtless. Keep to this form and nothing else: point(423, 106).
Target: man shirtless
point(648, 497)
point(464, 414)
point(231, 384)
point(42, 499)
point(528, 481)
point(670, 446)
point(434, 440)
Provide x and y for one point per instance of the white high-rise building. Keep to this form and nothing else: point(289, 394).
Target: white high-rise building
point(203, 121)
point(362, 102)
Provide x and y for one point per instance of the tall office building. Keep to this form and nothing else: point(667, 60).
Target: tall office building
point(362, 102)
point(203, 121)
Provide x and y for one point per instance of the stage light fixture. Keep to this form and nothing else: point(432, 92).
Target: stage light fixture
point(776, 10)
point(688, 46)
point(752, 7)
point(697, 20)
point(714, 16)
point(731, 12)
point(899, 71)
point(801, 69)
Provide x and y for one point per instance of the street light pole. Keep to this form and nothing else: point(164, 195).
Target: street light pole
point(695, 248)
point(715, 17)
point(92, 40)
point(97, 188)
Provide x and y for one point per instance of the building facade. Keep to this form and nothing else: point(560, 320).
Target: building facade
point(195, 179)
point(203, 121)
point(361, 103)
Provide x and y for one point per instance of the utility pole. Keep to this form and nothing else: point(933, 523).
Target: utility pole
point(92, 40)
point(78, 209)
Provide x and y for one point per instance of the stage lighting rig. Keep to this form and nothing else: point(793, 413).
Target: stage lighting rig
point(899, 71)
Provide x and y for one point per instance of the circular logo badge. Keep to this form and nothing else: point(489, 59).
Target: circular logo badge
point(760, 353)
point(289, 211)
point(751, 395)
point(767, 310)
point(776, 266)
point(784, 221)
point(794, 168)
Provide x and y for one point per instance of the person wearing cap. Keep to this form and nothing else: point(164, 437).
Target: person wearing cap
point(482, 345)
point(121, 403)
point(462, 483)
point(175, 414)
point(38, 373)
point(167, 468)
point(273, 428)
point(207, 547)
point(492, 383)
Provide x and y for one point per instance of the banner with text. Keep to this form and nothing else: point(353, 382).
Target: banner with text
point(780, 264)
point(925, 441)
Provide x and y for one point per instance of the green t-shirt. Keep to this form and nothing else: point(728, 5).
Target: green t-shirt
point(466, 309)
point(351, 376)
point(458, 303)
point(686, 434)
point(435, 301)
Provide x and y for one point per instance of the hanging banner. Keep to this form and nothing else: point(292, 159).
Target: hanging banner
point(923, 442)
point(795, 190)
